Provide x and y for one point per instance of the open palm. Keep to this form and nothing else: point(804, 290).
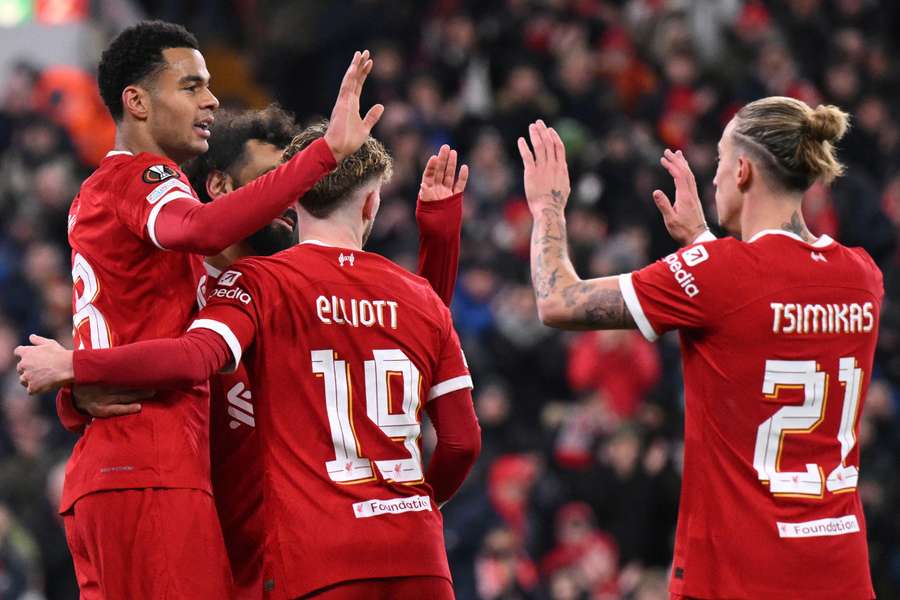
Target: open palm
point(440, 180)
point(347, 130)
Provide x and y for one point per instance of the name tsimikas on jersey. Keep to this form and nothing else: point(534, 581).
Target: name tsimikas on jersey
point(692, 256)
point(788, 318)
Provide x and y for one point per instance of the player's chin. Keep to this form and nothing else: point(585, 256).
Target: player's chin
point(200, 146)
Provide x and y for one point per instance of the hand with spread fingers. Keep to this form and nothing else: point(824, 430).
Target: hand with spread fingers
point(684, 220)
point(546, 172)
point(440, 180)
point(44, 366)
point(347, 130)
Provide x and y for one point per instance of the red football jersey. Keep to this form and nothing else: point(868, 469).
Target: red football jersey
point(344, 348)
point(236, 467)
point(777, 341)
point(236, 464)
point(126, 289)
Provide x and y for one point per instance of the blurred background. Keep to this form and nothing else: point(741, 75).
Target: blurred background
point(575, 495)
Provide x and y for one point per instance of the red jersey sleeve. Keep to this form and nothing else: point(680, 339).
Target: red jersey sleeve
point(458, 442)
point(439, 228)
point(69, 416)
point(231, 316)
point(146, 187)
point(451, 371)
point(233, 309)
point(159, 207)
point(685, 290)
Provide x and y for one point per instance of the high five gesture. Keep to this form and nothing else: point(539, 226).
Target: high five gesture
point(347, 130)
point(564, 300)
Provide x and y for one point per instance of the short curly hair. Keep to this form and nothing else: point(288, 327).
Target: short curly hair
point(371, 161)
point(230, 132)
point(136, 54)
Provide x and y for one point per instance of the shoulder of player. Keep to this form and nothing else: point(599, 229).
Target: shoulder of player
point(416, 284)
point(865, 263)
point(251, 266)
point(707, 256)
point(145, 169)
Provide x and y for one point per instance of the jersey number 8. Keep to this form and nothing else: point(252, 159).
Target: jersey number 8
point(85, 311)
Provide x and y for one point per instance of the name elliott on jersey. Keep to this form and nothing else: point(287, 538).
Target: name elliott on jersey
point(356, 312)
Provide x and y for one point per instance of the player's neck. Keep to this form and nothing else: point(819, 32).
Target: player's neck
point(774, 212)
point(333, 231)
point(232, 253)
point(130, 137)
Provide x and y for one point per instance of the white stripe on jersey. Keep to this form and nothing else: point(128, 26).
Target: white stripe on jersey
point(634, 307)
point(450, 385)
point(151, 220)
point(223, 330)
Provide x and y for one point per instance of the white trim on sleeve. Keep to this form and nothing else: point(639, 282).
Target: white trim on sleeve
point(706, 236)
point(223, 330)
point(151, 220)
point(450, 385)
point(211, 270)
point(634, 307)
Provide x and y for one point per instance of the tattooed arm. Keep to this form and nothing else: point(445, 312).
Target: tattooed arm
point(564, 300)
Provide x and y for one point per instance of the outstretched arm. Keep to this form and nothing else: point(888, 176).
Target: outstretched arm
point(439, 217)
point(164, 363)
point(564, 300)
point(182, 223)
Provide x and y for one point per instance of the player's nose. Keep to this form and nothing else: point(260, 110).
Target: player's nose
point(209, 101)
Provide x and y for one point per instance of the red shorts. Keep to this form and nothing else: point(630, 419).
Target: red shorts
point(388, 588)
point(149, 544)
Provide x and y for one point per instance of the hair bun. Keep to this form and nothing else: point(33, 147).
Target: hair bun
point(828, 123)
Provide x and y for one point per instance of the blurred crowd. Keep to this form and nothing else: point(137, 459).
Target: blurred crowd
point(576, 493)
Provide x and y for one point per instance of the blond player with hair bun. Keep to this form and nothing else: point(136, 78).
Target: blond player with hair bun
point(777, 329)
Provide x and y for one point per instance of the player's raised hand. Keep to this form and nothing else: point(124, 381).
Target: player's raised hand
point(684, 220)
point(440, 180)
point(44, 366)
point(347, 130)
point(546, 171)
point(101, 402)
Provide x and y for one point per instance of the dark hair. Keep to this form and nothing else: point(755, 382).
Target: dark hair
point(135, 54)
point(793, 141)
point(227, 144)
point(371, 161)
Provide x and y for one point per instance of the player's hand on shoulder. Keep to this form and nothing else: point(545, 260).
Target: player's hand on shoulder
point(347, 130)
point(546, 172)
point(100, 402)
point(44, 366)
point(440, 179)
point(684, 219)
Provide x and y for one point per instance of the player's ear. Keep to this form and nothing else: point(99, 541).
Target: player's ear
point(744, 173)
point(370, 205)
point(136, 102)
point(218, 183)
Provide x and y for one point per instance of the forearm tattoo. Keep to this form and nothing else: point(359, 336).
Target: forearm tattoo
point(553, 274)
